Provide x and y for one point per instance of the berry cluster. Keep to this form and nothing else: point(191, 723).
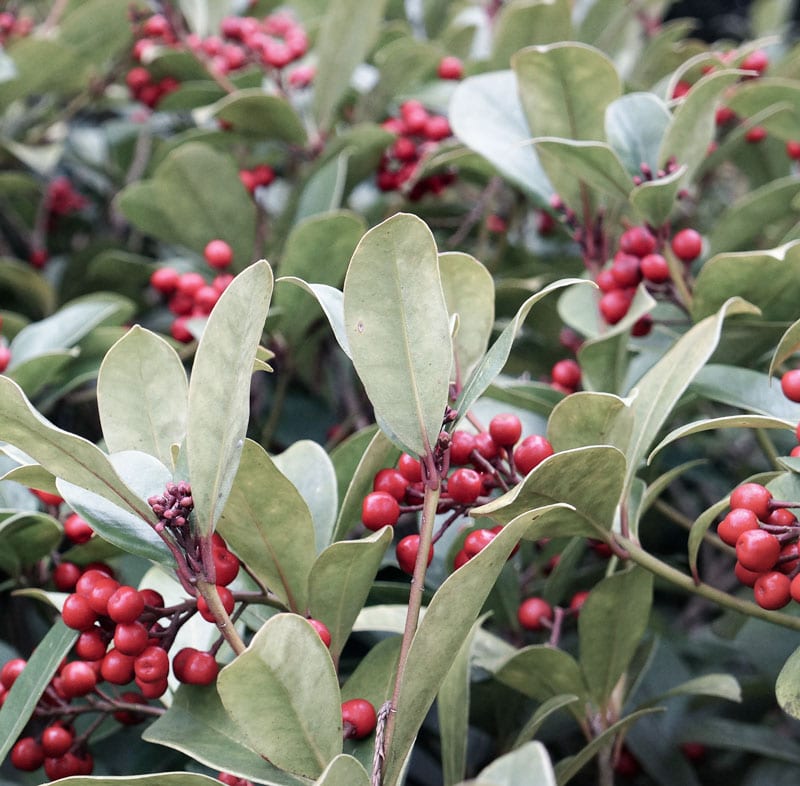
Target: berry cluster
point(147, 90)
point(536, 614)
point(12, 26)
point(419, 133)
point(484, 462)
point(188, 294)
point(258, 177)
point(638, 258)
point(766, 535)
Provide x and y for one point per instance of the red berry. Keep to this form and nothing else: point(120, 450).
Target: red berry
point(117, 668)
point(694, 751)
point(757, 550)
point(152, 690)
point(436, 128)
point(206, 298)
point(486, 446)
point(566, 373)
point(152, 665)
point(450, 67)
point(724, 115)
point(755, 135)
point(625, 270)
point(226, 565)
point(406, 553)
point(77, 613)
point(165, 280)
point(606, 281)
point(577, 601)
point(91, 645)
point(125, 605)
point(655, 268)
point(218, 254)
point(410, 468)
point(190, 282)
point(534, 613)
point(27, 754)
point(358, 719)
point(735, 523)
point(179, 330)
point(462, 443)
point(5, 357)
point(130, 638)
point(638, 241)
point(225, 596)
point(130, 717)
point(392, 482)
point(477, 541)
point(614, 305)
point(100, 593)
point(790, 385)
point(505, 429)
point(794, 588)
point(89, 578)
point(152, 598)
point(47, 498)
point(379, 509)
point(789, 558)
point(194, 667)
point(752, 496)
point(78, 678)
point(464, 486)
point(57, 740)
point(531, 452)
point(65, 576)
point(772, 590)
point(757, 60)
point(687, 245)
point(460, 559)
point(745, 576)
point(781, 517)
point(322, 629)
point(793, 149)
point(10, 671)
point(681, 89)
point(626, 764)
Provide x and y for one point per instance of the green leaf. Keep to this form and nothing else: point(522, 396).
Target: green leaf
point(219, 390)
point(144, 475)
point(398, 328)
point(20, 283)
point(177, 206)
point(204, 16)
point(744, 222)
point(746, 389)
point(494, 360)
point(661, 387)
point(766, 95)
point(25, 538)
point(529, 763)
point(589, 479)
point(296, 699)
point(590, 419)
point(787, 346)
point(635, 124)
point(373, 678)
point(486, 115)
point(693, 125)
point(141, 395)
point(166, 778)
point(197, 724)
point(742, 737)
point(452, 709)
point(712, 424)
point(323, 191)
point(98, 30)
point(36, 373)
point(542, 672)
point(567, 768)
point(253, 112)
point(267, 521)
point(611, 624)
point(341, 46)
point(340, 581)
point(67, 326)
point(718, 686)
point(527, 22)
point(21, 700)
point(449, 617)
point(307, 466)
point(43, 67)
point(654, 200)
point(343, 770)
point(770, 280)
point(63, 454)
point(346, 456)
point(380, 453)
point(565, 89)
point(787, 686)
point(469, 292)
point(543, 712)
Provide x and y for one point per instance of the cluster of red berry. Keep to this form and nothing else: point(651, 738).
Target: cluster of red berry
point(418, 133)
point(147, 90)
point(638, 259)
point(485, 461)
point(12, 26)
point(188, 294)
point(258, 177)
point(765, 534)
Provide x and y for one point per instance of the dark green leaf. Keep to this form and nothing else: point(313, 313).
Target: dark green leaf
point(219, 390)
point(718, 686)
point(542, 672)
point(296, 699)
point(654, 200)
point(543, 712)
point(742, 737)
point(398, 328)
point(766, 95)
point(267, 521)
point(373, 678)
point(25, 538)
point(254, 112)
point(141, 395)
point(787, 346)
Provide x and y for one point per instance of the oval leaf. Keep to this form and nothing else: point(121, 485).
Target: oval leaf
point(219, 390)
point(398, 328)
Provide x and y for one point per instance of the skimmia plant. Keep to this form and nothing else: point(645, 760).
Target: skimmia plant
point(398, 395)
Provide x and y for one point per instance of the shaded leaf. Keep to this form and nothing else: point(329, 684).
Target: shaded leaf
point(740, 736)
point(787, 687)
point(323, 191)
point(331, 301)
point(373, 678)
point(25, 538)
point(219, 390)
point(398, 329)
point(253, 112)
point(543, 712)
point(266, 520)
point(296, 699)
point(141, 395)
point(654, 200)
point(718, 686)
